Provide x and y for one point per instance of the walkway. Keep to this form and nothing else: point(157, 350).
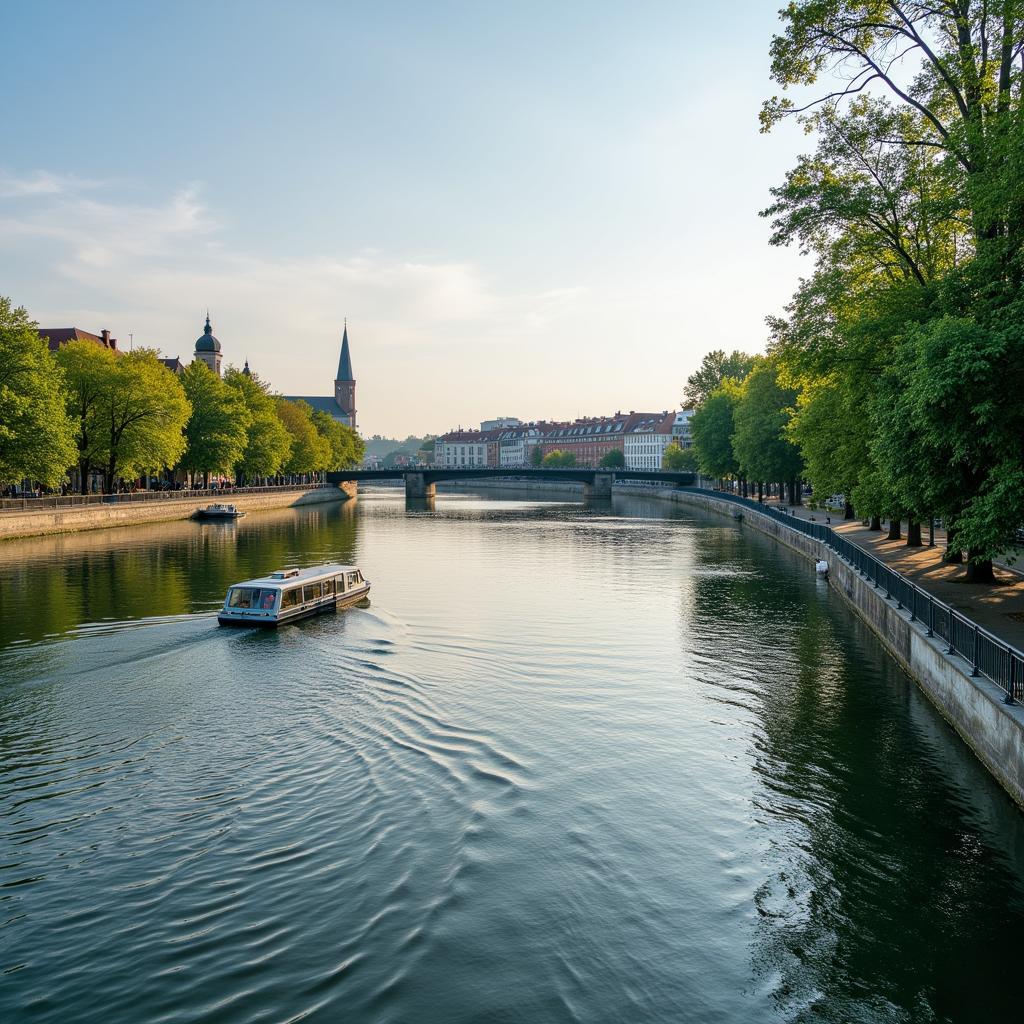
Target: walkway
point(998, 608)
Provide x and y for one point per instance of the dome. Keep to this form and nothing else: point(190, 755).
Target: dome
point(207, 343)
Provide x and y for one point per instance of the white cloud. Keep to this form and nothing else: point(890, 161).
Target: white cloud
point(42, 183)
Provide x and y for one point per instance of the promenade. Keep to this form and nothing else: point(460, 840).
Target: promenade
point(999, 608)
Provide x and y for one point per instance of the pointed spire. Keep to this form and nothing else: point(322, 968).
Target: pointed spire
point(345, 362)
point(246, 370)
point(207, 329)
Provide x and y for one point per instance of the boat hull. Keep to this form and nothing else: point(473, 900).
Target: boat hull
point(344, 601)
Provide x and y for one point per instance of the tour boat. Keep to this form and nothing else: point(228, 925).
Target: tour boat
point(290, 594)
point(219, 511)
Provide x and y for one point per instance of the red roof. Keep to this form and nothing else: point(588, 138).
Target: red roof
point(58, 336)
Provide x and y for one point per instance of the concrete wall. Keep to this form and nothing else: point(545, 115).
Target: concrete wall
point(972, 705)
point(97, 517)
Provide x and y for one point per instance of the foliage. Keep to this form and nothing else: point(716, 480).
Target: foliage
point(558, 460)
point(217, 431)
point(712, 426)
point(36, 432)
point(615, 459)
point(310, 452)
point(715, 368)
point(268, 443)
point(677, 458)
point(536, 456)
point(346, 446)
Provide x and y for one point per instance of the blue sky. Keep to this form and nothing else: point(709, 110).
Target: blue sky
point(531, 209)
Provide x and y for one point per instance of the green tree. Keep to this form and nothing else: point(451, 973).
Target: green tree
point(559, 460)
point(88, 369)
point(715, 368)
point(536, 456)
point(217, 431)
point(678, 458)
point(345, 445)
point(615, 459)
point(309, 451)
point(36, 433)
point(141, 417)
point(268, 443)
point(712, 426)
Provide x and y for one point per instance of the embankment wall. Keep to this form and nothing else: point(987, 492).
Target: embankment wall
point(37, 523)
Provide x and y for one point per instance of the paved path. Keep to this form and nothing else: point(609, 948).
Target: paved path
point(998, 608)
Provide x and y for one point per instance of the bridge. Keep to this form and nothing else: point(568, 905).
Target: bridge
point(597, 483)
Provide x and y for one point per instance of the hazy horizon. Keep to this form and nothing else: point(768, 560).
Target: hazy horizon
point(542, 213)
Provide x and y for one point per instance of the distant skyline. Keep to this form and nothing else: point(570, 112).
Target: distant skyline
point(534, 210)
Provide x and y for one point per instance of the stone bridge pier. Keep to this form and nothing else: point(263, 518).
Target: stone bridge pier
point(600, 488)
point(417, 487)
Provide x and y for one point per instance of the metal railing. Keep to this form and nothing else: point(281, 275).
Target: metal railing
point(210, 494)
point(986, 653)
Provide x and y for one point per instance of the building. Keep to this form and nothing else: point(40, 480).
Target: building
point(501, 421)
point(208, 348)
point(645, 438)
point(175, 365)
point(464, 449)
point(682, 432)
point(58, 337)
point(342, 404)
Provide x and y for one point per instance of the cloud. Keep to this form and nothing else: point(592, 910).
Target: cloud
point(43, 183)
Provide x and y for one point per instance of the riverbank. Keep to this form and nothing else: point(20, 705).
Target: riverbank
point(45, 521)
point(973, 706)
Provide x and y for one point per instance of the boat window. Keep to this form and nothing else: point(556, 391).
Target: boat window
point(267, 600)
point(290, 598)
point(328, 587)
point(341, 583)
point(353, 579)
point(244, 597)
point(311, 591)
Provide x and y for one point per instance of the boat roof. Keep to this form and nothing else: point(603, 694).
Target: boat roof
point(287, 577)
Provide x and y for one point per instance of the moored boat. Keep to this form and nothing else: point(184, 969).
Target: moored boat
point(290, 594)
point(219, 511)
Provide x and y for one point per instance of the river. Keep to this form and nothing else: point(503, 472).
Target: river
point(619, 763)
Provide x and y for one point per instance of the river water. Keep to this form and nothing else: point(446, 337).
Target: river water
point(573, 763)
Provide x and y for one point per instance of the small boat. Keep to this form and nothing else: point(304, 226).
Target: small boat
point(218, 511)
point(290, 594)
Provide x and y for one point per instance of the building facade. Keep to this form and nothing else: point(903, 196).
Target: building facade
point(682, 433)
point(645, 439)
point(208, 348)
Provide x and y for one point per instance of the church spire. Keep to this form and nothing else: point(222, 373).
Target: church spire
point(345, 362)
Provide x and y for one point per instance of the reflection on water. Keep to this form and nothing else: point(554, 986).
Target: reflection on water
point(607, 763)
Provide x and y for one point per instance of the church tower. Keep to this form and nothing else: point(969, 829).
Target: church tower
point(345, 383)
point(208, 348)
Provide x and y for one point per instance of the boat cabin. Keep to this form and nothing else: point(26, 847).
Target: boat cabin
point(292, 594)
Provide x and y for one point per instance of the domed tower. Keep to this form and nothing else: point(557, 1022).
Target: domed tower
point(345, 383)
point(208, 348)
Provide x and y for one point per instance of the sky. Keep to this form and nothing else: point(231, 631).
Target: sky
point(543, 210)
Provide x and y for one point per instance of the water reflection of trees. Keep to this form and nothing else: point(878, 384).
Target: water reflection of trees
point(890, 894)
point(53, 585)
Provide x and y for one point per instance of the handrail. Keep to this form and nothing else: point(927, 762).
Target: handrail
point(986, 653)
point(51, 501)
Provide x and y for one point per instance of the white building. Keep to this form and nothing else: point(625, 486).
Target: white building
point(681, 432)
point(462, 449)
point(514, 445)
point(645, 439)
point(500, 423)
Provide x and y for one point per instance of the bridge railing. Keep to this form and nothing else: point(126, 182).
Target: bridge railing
point(48, 501)
point(986, 653)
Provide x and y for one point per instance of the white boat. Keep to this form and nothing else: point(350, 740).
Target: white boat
point(290, 594)
point(218, 511)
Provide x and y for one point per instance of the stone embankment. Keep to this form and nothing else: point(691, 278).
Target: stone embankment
point(42, 521)
point(973, 705)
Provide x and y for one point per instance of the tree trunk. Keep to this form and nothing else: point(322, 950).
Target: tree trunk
point(794, 490)
point(979, 570)
point(913, 533)
point(83, 472)
point(953, 555)
point(760, 490)
point(876, 523)
point(848, 511)
point(894, 529)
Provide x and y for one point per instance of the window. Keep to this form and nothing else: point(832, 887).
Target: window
point(268, 600)
point(290, 598)
point(353, 579)
point(328, 587)
point(244, 597)
point(310, 592)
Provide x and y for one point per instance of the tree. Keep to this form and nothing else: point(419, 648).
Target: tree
point(140, 416)
point(309, 451)
point(346, 446)
point(217, 431)
point(558, 460)
point(536, 456)
point(88, 369)
point(36, 433)
point(268, 443)
point(615, 459)
point(712, 426)
point(677, 458)
point(759, 441)
point(715, 368)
